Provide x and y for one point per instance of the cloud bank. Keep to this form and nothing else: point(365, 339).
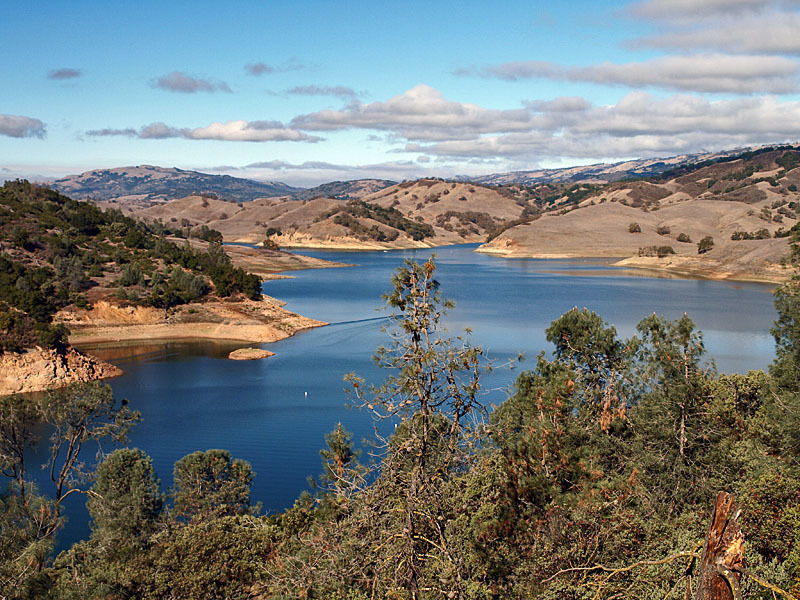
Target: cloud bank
point(232, 131)
point(712, 73)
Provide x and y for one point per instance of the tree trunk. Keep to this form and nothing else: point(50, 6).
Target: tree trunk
point(723, 554)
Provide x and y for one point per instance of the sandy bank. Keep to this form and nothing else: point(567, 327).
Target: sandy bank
point(247, 321)
point(697, 267)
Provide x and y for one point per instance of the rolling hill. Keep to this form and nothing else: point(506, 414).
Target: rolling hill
point(746, 203)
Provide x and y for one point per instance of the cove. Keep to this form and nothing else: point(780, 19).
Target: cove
point(275, 412)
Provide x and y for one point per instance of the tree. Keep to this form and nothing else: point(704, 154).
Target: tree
point(432, 394)
point(76, 414)
point(585, 343)
point(125, 502)
point(211, 484)
point(342, 474)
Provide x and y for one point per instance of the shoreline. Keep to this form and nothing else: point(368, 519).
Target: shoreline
point(683, 266)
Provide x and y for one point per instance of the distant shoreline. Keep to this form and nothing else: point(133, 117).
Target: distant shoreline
point(684, 266)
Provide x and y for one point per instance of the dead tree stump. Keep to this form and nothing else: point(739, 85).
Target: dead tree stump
point(719, 571)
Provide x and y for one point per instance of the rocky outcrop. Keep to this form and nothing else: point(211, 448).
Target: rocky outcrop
point(38, 369)
point(250, 354)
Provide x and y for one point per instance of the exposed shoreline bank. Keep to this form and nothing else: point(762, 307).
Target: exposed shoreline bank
point(684, 266)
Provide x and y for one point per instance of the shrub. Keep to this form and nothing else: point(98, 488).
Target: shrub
point(663, 230)
point(705, 244)
point(682, 237)
point(634, 228)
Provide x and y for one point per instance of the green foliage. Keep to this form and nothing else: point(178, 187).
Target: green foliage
point(60, 247)
point(73, 415)
point(634, 228)
point(761, 234)
point(125, 503)
point(388, 216)
point(211, 484)
point(207, 234)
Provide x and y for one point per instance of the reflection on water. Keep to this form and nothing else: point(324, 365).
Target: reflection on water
point(275, 412)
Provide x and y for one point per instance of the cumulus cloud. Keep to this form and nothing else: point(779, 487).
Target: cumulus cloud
point(422, 121)
point(65, 73)
point(638, 125)
point(337, 91)
point(181, 82)
point(421, 113)
point(251, 131)
point(19, 126)
point(739, 74)
point(232, 131)
point(770, 33)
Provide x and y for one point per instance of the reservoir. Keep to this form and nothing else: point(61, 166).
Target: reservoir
point(275, 412)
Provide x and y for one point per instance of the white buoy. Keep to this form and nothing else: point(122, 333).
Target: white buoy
point(306, 393)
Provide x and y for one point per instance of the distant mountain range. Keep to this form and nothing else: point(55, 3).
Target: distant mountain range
point(159, 184)
point(602, 172)
point(145, 185)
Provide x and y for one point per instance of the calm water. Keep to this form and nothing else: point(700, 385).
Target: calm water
point(275, 412)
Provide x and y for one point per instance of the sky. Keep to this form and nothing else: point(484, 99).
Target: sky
point(309, 92)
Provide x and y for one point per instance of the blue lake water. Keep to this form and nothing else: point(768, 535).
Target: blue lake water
point(275, 413)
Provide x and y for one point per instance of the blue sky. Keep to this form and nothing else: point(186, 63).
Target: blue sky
point(306, 92)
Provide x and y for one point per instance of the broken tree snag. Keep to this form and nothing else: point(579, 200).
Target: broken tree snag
point(719, 571)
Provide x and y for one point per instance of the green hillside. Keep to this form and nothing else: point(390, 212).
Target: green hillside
point(55, 251)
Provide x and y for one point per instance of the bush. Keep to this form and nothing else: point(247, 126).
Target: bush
point(705, 244)
point(682, 237)
point(634, 228)
point(663, 230)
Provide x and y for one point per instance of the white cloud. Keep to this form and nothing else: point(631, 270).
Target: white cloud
point(703, 73)
point(639, 125)
point(421, 113)
point(19, 126)
point(250, 131)
point(680, 10)
point(771, 33)
point(232, 131)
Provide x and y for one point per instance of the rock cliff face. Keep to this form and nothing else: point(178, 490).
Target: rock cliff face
point(38, 369)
